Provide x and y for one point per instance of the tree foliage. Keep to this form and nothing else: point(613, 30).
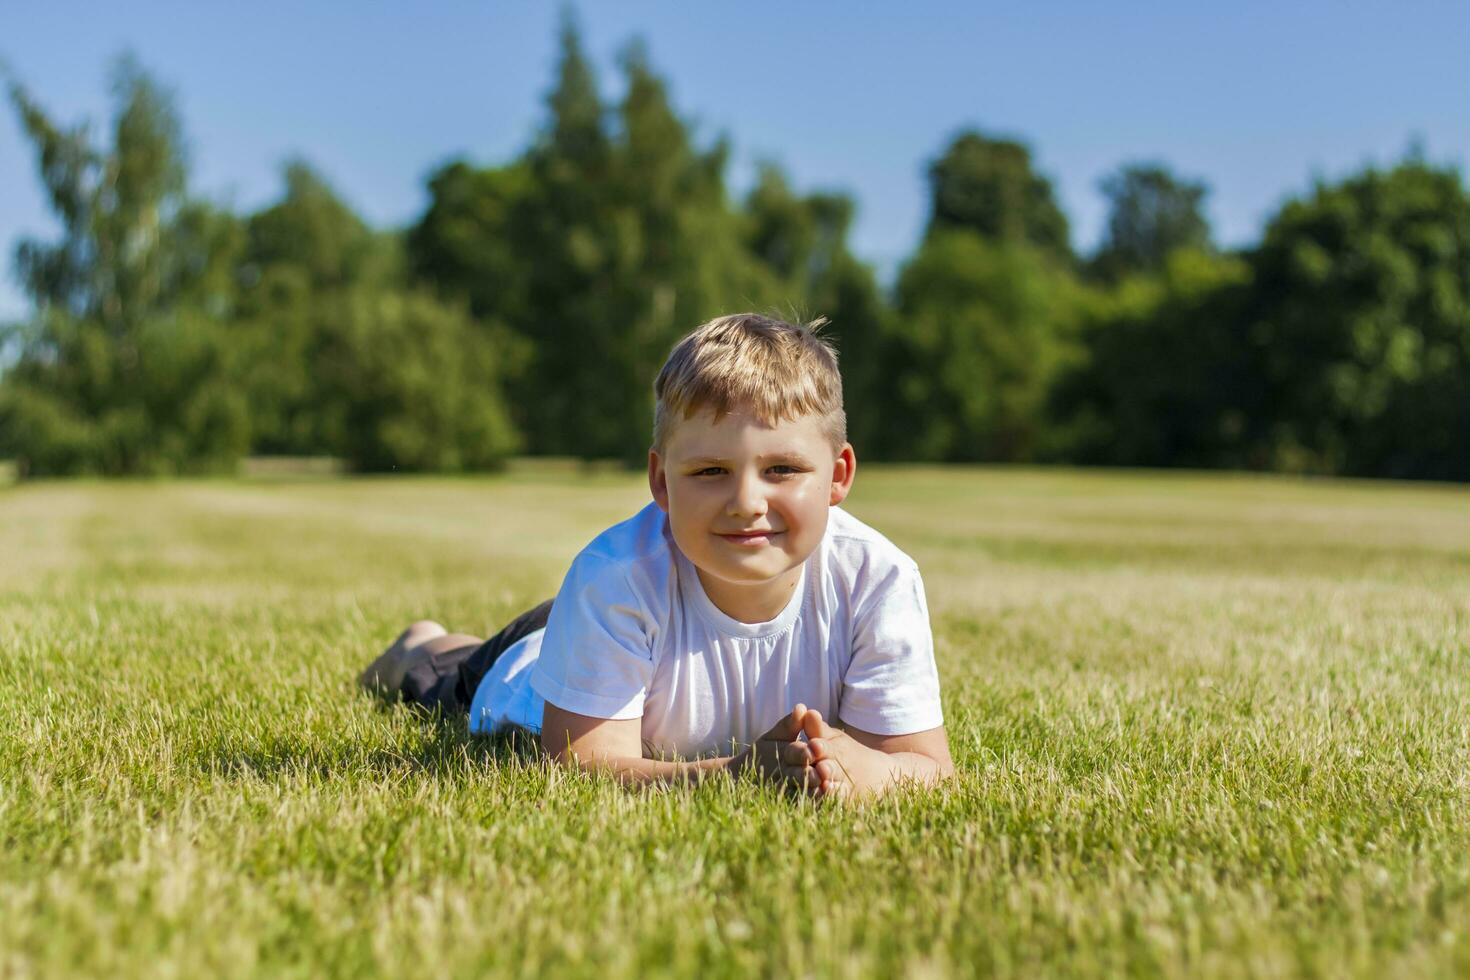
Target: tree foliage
point(610, 237)
point(530, 306)
point(1168, 375)
point(801, 241)
point(987, 185)
point(124, 366)
point(1151, 214)
point(407, 383)
point(1362, 308)
point(342, 356)
point(985, 325)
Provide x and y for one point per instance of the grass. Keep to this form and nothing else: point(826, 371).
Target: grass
point(1207, 726)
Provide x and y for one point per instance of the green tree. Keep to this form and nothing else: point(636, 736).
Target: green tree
point(469, 243)
point(123, 368)
point(678, 246)
point(1362, 307)
point(1151, 214)
point(1169, 375)
point(606, 241)
point(308, 244)
point(988, 186)
point(314, 231)
point(406, 383)
point(802, 242)
point(985, 326)
point(344, 357)
point(567, 228)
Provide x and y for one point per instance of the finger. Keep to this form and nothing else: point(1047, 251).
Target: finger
point(804, 778)
point(832, 781)
point(822, 748)
point(815, 725)
point(788, 727)
point(833, 793)
point(794, 753)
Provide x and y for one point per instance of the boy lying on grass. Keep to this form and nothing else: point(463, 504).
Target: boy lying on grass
point(741, 621)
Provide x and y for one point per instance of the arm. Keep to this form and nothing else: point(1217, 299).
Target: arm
point(891, 682)
point(615, 746)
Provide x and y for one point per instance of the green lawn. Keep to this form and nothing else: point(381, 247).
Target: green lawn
point(1206, 726)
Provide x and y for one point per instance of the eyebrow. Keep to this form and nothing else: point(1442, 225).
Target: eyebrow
point(767, 458)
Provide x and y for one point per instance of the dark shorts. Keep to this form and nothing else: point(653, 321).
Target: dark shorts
point(447, 681)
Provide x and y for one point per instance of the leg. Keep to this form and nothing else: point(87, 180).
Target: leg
point(418, 644)
point(433, 672)
point(437, 669)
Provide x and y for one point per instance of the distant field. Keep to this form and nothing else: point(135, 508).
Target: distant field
point(1207, 726)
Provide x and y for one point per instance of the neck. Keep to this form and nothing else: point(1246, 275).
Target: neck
point(758, 602)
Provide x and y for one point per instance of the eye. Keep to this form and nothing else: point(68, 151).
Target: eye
point(785, 469)
point(708, 471)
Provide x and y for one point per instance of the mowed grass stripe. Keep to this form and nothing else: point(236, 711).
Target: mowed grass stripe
point(1207, 726)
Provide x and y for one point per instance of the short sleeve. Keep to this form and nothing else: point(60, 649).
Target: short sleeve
point(892, 684)
point(596, 655)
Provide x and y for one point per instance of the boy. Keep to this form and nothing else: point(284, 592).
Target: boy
point(690, 639)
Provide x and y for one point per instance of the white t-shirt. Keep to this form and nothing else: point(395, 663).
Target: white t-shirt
point(632, 634)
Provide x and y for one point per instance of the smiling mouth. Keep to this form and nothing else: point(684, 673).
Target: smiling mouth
point(750, 535)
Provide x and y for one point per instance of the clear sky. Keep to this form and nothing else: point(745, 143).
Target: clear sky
point(1254, 98)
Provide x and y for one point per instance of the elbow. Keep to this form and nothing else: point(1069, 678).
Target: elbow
point(560, 752)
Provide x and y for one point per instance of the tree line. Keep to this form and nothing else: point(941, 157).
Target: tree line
point(528, 308)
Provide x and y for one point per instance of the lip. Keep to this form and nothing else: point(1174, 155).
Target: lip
point(751, 539)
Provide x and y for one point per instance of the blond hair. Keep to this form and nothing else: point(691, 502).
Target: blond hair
point(771, 368)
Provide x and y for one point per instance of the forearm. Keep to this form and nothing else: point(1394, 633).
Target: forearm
point(644, 772)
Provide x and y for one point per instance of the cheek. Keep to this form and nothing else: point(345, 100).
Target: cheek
point(689, 513)
point(807, 506)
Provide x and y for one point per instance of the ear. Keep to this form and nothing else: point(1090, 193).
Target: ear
point(658, 482)
point(843, 470)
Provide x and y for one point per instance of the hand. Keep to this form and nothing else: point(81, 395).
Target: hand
point(845, 767)
point(779, 756)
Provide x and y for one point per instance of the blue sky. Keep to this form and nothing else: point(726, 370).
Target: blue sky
point(1255, 99)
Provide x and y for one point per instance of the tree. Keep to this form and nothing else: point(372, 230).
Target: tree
point(1151, 214)
point(802, 242)
point(679, 249)
point(469, 244)
point(312, 229)
point(984, 312)
point(123, 367)
point(343, 357)
point(609, 238)
point(988, 186)
point(985, 326)
point(307, 244)
point(1362, 306)
point(567, 228)
point(1169, 375)
point(406, 383)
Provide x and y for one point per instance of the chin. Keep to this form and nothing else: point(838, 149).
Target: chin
point(756, 572)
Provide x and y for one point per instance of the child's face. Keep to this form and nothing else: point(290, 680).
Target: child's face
point(748, 502)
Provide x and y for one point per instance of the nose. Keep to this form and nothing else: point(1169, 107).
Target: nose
point(748, 499)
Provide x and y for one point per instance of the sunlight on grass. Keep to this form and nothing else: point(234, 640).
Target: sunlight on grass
point(1207, 726)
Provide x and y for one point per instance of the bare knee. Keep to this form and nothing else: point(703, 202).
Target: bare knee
point(445, 642)
point(418, 633)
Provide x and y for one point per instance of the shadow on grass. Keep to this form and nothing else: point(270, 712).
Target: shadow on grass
point(446, 750)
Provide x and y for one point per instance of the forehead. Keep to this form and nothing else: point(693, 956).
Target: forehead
point(740, 432)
